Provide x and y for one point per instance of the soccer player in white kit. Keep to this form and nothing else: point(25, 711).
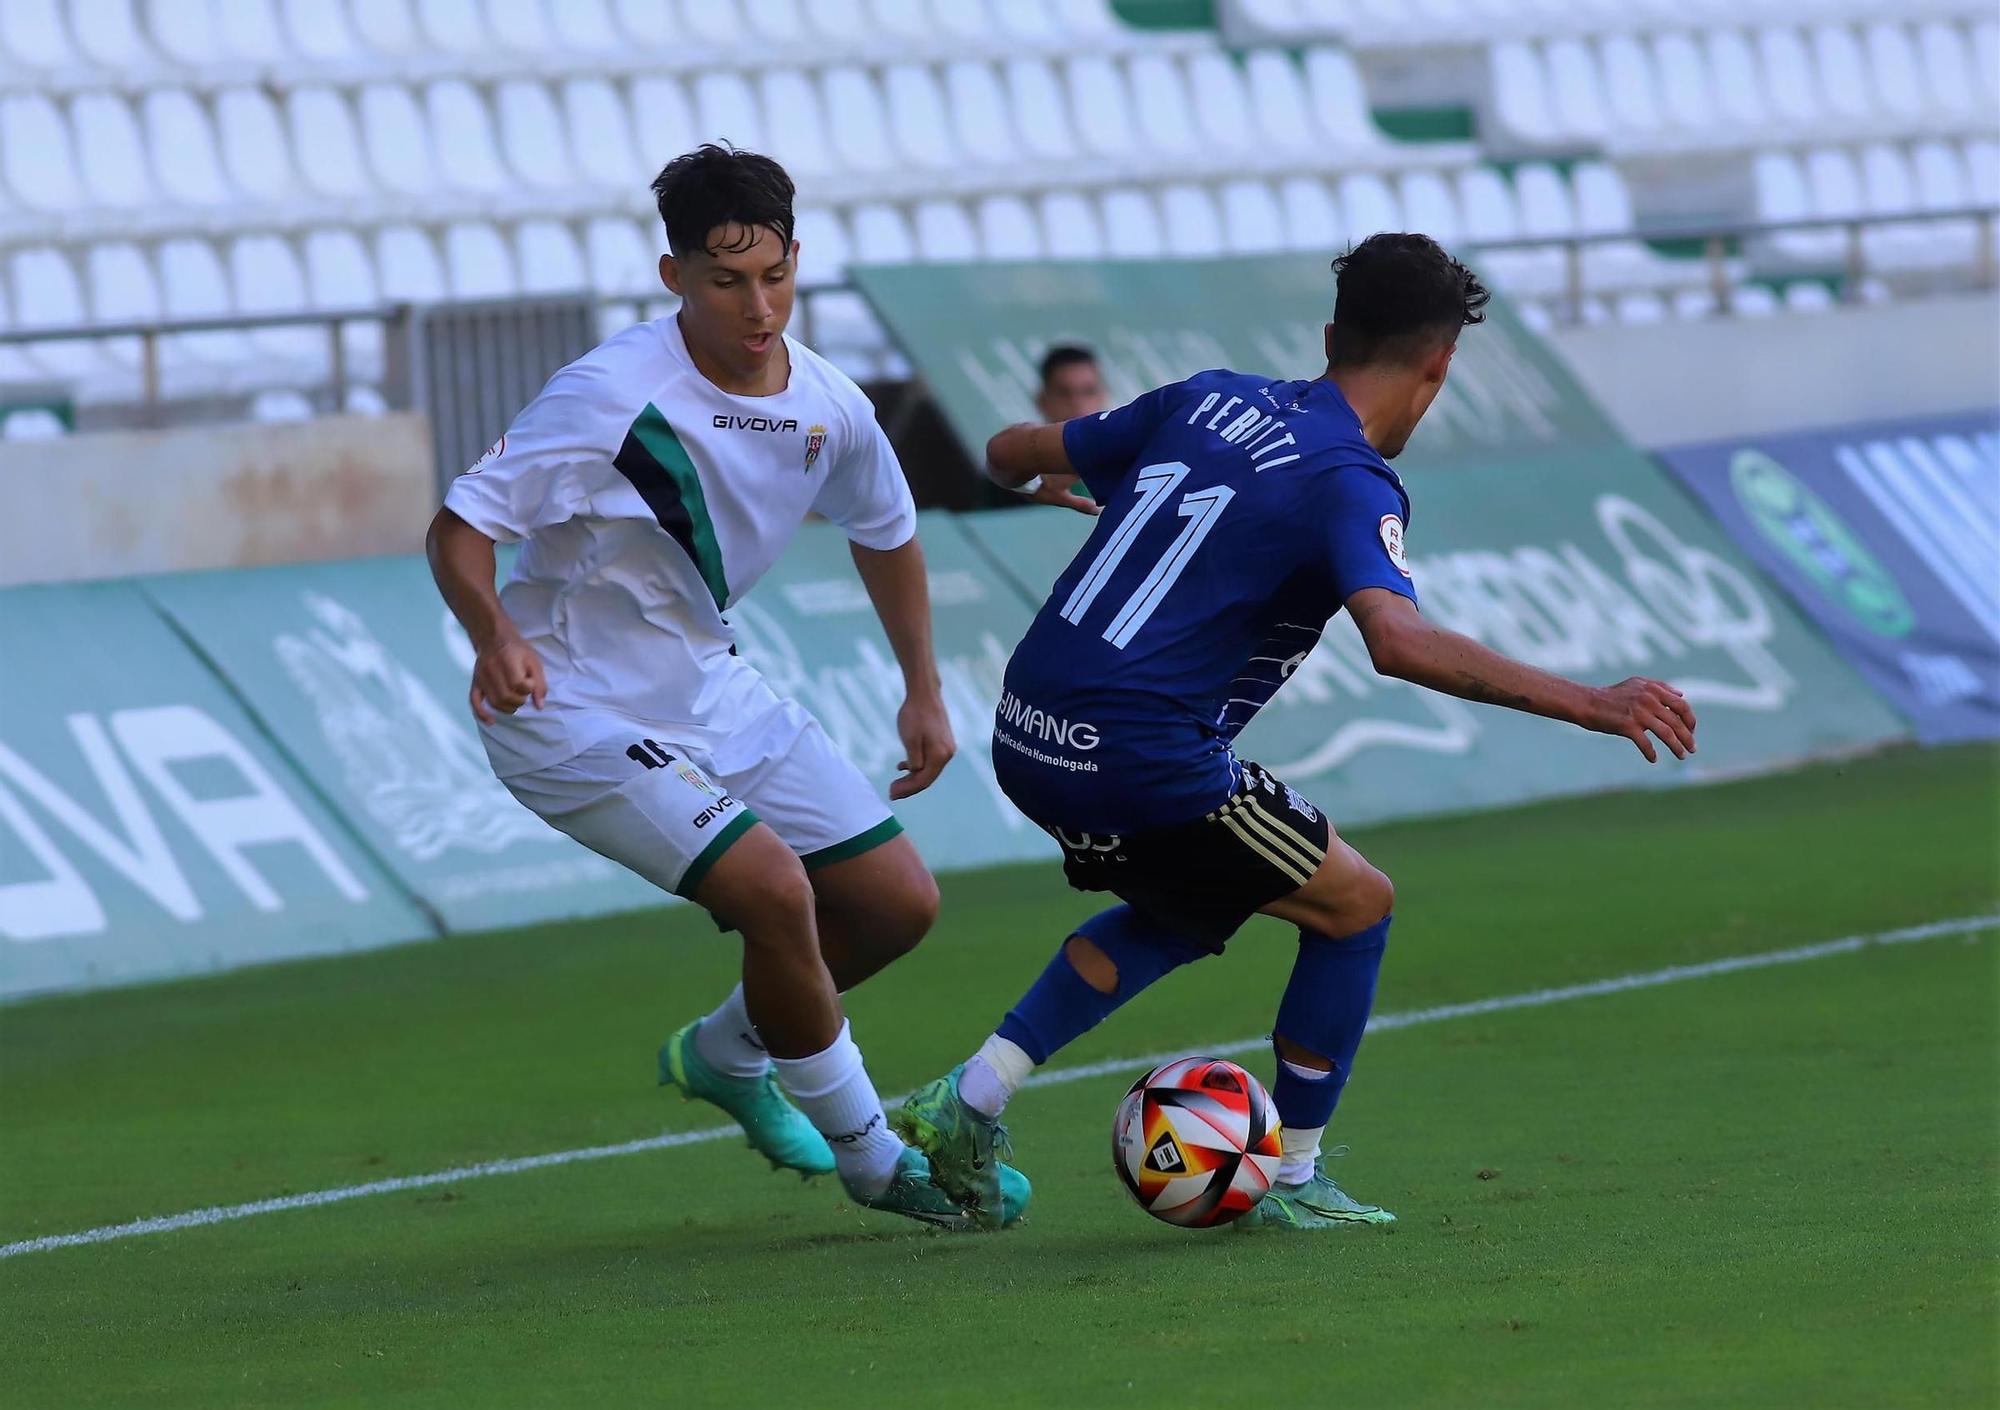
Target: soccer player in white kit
point(650, 485)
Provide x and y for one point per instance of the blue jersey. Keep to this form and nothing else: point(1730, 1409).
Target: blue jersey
point(1239, 515)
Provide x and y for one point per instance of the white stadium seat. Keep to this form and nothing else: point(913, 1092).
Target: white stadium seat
point(1788, 75)
point(385, 26)
point(1892, 59)
point(181, 144)
point(407, 265)
point(919, 122)
point(1041, 114)
point(249, 30)
point(1577, 89)
point(107, 33)
point(322, 127)
point(193, 285)
point(726, 111)
point(1430, 208)
point(1102, 105)
point(1132, 227)
point(1194, 228)
point(824, 250)
point(452, 25)
point(945, 232)
point(857, 121)
point(837, 20)
point(795, 130)
point(1735, 79)
point(339, 272)
point(583, 26)
point(1278, 100)
point(663, 121)
point(1253, 223)
point(255, 156)
point(33, 35)
point(1312, 220)
point(601, 136)
point(1160, 96)
point(1339, 102)
point(1071, 228)
point(1221, 103)
point(1631, 88)
point(1007, 229)
point(549, 259)
point(1947, 67)
point(1369, 206)
point(398, 140)
point(533, 137)
point(110, 155)
point(1520, 88)
point(319, 31)
point(123, 287)
point(1843, 73)
point(882, 235)
point(1687, 99)
point(184, 32)
point(620, 258)
point(477, 261)
point(1029, 20)
point(520, 25)
point(36, 155)
point(979, 113)
point(461, 126)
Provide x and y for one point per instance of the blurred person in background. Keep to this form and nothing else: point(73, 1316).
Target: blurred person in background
point(1072, 385)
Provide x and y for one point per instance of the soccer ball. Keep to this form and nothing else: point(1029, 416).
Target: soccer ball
point(1196, 1142)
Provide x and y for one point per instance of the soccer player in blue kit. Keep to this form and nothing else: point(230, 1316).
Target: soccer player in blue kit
point(1239, 515)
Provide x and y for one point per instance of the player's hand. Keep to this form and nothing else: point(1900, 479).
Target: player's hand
point(1060, 491)
point(506, 676)
point(925, 728)
point(1639, 708)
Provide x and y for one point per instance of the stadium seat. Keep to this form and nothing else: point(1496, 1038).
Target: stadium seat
point(839, 21)
point(919, 122)
point(1132, 227)
point(339, 273)
point(1843, 73)
point(1070, 227)
point(1041, 115)
point(1808, 296)
point(601, 136)
point(1194, 229)
point(979, 113)
point(408, 270)
point(255, 158)
point(1687, 99)
point(1947, 67)
point(1545, 202)
point(184, 33)
point(181, 144)
point(794, 122)
point(110, 155)
point(273, 406)
point(622, 259)
point(1007, 229)
point(1519, 85)
point(1579, 107)
point(583, 27)
point(320, 32)
point(857, 123)
point(478, 263)
point(663, 121)
point(32, 423)
point(462, 130)
point(33, 35)
point(824, 250)
point(193, 285)
point(1694, 302)
point(1102, 104)
point(520, 25)
point(265, 276)
point(36, 154)
point(1782, 193)
point(1252, 221)
point(1221, 102)
point(726, 111)
point(945, 232)
point(249, 31)
point(1639, 306)
point(1278, 100)
point(549, 259)
point(1429, 206)
point(1368, 206)
point(901, 20)
point(881, 235)
point(1892, 60)
point(965, 23)
point(398, 140)
point(1029, 20)
point(323, 131)
point(1165, 111)
point(1339, 102)
point(455, 26)
point(534, 139)
point(1836, 185)
point(1982, 162)
point(1312, 220)
point(120, 288)
point(1631, 87)
point(1789, 80)
point(107, 33)
point(385, 26)
point(1753, 301)
point(1986, 61)
point(1735, 80)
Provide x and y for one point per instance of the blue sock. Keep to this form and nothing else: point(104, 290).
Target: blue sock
point(1060, 1007)
point(1324, 1011)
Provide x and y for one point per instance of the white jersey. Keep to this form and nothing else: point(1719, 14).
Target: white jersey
point(651, 500)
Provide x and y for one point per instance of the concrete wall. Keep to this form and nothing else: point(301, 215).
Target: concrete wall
point(113, 504)
point(1675, 382)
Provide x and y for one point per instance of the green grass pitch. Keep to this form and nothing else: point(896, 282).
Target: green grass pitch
point(1767, 1187)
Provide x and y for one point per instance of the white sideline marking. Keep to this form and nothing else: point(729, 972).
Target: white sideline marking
point(1381, 1022)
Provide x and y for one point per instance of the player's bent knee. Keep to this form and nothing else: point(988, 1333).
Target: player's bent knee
point(1091, 964)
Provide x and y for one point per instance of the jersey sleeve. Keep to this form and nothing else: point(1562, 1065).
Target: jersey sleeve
point(1102, 448)
point(865, 491)
point(528, 480)
point(1366, 518)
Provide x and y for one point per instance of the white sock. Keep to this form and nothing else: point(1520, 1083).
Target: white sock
point(728, 1039)
point(992, 1074)
point(1301, 1151)
point(833, 1089)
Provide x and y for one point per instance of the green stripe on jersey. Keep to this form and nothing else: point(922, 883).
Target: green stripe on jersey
point(660, 442)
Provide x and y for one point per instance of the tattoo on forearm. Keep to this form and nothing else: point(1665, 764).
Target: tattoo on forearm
point(1484, 692)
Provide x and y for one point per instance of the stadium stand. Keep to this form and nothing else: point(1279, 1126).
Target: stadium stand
point(205, 158)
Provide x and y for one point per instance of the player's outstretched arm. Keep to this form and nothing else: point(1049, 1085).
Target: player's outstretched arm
point(1030, 459)
point(1402, 644)
point(507, 673)
point(899, 587)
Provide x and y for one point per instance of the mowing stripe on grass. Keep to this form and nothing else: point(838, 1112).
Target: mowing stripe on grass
point(1381, 1022)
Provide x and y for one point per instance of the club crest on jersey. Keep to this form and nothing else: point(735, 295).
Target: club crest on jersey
point(693, 776)
point(1392, 540)
point(815, 442)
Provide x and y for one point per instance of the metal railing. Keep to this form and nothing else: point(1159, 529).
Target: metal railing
point(1719, 243)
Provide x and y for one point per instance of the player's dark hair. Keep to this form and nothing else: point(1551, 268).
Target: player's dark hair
point(1065, 355)
point(713, 186)
point(1399, 296)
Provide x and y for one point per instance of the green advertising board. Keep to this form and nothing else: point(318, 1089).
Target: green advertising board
point(809, 627)
point(975, 333)
point(360, 673)
point(147, 826)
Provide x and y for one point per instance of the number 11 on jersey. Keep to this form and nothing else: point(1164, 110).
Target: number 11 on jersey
point(1201, 509)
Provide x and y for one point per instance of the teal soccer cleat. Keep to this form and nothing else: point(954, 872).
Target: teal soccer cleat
point(914, 1194)
point(1317, 1203)
point(965, 1149)
point(778, 1131)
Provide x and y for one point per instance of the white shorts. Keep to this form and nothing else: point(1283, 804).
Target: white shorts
point(666, 801)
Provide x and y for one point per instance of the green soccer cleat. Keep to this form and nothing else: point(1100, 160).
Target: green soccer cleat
point(914, 1193)
point(965, 1148)
point(1317, 1203)
point(778, 1131)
